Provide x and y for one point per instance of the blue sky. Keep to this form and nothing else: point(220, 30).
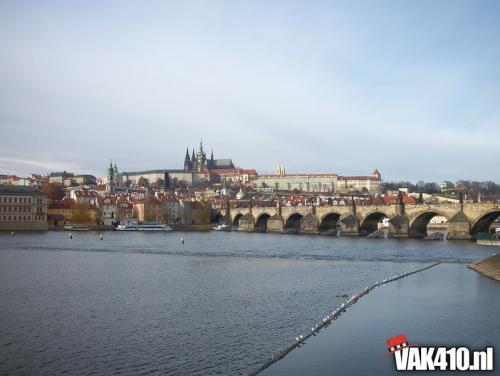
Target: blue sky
point(410, 88)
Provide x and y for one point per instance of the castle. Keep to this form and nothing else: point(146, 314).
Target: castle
point(198, 162)
point(198, 170)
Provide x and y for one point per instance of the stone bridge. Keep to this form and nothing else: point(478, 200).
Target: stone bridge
point(465, 221)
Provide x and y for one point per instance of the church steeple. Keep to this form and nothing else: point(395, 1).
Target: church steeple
point(192, 158)
point(187, 161)
point(201, 146)
point(110, 188)
point(212, 155)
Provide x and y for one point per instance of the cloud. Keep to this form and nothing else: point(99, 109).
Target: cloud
point(10, 165)
point(322, 87)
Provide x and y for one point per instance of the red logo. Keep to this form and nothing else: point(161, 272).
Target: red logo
point(397, 343)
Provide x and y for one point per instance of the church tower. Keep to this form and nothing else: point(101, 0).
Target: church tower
point(200, 159)
point(117, 177)
point(187, 161)
point(110, 187)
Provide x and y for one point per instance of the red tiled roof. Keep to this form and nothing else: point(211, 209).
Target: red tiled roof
point(394, 199)
point(85, 193)
point(66, 203)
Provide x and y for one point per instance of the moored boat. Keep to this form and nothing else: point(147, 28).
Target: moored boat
point(221, 227)
point(76, 228)
point(144, 227)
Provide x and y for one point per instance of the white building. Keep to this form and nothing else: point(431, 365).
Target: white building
point(321, 183)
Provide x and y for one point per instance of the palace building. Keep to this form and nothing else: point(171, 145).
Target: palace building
point(320, 183)
point(22, 208)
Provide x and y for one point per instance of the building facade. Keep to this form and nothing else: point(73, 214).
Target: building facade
point(60, 177)
point(321, 183)
point(325, 183)
point(85, 179)
point(150, 209)
point(22, 208)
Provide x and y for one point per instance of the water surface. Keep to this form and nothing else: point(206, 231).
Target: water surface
point(219, 304)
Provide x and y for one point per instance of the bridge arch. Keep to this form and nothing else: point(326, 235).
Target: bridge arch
point(328, 223)
point(236, 220)
point(292, 223)
point(370, 222)
point(261, 222)
point(483, 223)
point(418, 226)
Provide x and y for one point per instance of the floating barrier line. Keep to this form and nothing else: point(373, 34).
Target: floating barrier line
point(300, 340)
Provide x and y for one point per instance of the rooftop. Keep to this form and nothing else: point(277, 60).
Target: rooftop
point(20, 189)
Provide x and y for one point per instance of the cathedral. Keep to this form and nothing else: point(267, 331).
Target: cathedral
point(199, 163)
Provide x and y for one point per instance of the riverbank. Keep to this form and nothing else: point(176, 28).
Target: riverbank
point(489, 267)
point(439, 306)
point(204, 227)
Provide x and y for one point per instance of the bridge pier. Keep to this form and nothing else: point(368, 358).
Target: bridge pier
point(459, 227)
point(399, 226)
point(225, 220)
point(247, 223)
point(309, 224)
point(275, 223)
point(349, 226)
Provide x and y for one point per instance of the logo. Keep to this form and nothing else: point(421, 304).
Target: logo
point(411, 357)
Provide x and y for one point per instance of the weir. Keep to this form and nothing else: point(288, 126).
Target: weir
point(329, 318)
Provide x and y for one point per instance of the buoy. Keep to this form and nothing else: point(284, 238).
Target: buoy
point(182, 240)
point(12, 233)
point(70, 235)
point(102, 237)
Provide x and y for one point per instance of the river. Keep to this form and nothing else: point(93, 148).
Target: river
point(218, 304)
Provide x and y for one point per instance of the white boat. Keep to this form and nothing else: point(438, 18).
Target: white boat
point(221, 227)
point(144, 227)
point(76, 228)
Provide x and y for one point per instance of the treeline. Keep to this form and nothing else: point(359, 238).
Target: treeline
point(419, 187)
point(487, 188)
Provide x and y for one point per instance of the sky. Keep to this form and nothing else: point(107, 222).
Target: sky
point(409, 87)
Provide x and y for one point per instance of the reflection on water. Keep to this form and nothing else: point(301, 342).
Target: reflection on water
point(144, 303)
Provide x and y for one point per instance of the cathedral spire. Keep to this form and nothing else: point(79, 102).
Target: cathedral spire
point(187, 161)
point(201, 146)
